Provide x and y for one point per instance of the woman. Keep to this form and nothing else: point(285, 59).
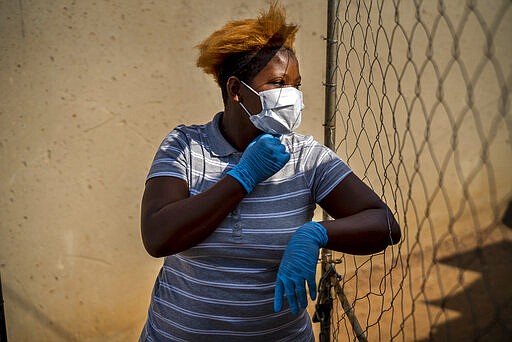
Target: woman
point(229, 204)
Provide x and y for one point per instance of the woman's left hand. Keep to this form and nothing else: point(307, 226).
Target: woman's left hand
point(298, 266)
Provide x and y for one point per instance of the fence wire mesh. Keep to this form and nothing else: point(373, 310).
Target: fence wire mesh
point(423, 116)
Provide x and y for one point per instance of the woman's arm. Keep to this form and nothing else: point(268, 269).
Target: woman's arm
point(171, 221)
point(362, 224)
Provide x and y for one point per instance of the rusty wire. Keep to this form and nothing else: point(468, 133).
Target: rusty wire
point(423, 116)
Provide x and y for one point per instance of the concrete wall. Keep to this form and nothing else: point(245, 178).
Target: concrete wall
point(88, 90)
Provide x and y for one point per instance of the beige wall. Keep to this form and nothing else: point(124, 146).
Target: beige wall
point(88, 90)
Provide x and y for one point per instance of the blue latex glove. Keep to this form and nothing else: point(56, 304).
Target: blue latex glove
point(298, 266)
point(264, 156)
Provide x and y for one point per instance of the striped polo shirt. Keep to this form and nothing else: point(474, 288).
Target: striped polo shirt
point(223, 288)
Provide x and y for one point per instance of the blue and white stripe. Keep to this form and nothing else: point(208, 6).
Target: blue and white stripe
point(223, 288)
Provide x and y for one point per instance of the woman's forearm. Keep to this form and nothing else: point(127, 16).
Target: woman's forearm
point(181, 224)
point(367, 232)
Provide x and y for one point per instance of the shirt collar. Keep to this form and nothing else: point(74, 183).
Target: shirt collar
point(220, 147)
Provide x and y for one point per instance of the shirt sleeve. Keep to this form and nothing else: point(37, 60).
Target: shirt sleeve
point(323, 170)
point(171, 157)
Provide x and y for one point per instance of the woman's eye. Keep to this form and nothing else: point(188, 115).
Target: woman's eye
point(282, 83)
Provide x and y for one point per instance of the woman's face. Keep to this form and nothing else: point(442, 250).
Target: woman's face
point(281, 71)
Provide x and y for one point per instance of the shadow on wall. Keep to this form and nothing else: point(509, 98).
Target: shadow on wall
point(3, 330)
point(37, 314)
point(485, 306)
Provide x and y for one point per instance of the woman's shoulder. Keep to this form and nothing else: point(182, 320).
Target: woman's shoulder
point(297, 142)
point(190, 131)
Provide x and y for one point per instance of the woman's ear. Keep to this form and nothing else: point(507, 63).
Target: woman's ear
point(233, 87)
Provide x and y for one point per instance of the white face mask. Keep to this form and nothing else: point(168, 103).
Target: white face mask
point(281, 110)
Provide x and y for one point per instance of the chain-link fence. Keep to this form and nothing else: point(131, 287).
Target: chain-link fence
point(422, 114)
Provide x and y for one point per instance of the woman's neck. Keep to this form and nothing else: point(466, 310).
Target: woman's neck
point(237, 129)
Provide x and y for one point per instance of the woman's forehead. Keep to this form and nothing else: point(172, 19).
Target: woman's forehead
point(283, 62)
point(284, 56)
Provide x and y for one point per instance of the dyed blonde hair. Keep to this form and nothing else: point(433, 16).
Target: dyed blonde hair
point(240, 47)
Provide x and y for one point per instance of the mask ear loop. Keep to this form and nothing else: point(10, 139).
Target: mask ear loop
point(245, 109)
point(256, 93)
point(250, 88)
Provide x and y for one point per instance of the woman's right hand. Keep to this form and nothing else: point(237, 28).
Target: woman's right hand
point(264, 157)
